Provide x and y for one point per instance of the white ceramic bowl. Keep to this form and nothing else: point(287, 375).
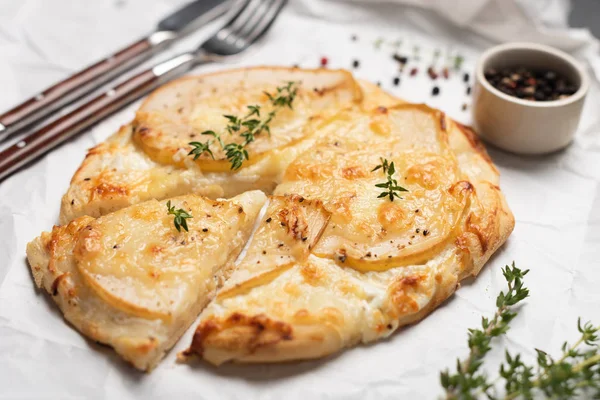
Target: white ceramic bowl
point(525, 126)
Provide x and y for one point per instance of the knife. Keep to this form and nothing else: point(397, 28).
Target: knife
point(173, 27)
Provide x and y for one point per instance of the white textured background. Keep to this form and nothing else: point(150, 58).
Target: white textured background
point(556, 201)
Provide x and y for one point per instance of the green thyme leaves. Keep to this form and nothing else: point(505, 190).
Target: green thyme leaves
point(391, 185)
point(200, 148)
point(248, 127)
point(576, 374)
point(180, 217)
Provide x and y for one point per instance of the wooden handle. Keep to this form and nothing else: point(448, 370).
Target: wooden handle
point(41, 141)
point(72, 87)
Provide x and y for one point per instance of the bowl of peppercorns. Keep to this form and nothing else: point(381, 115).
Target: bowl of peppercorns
point(528, 97)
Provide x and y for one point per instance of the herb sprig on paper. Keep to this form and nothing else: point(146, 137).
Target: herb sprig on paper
point(180, 217)
point(391, 185)
point(575, 373)
point(248, 127)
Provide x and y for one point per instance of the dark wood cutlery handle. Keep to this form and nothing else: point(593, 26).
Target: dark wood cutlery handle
point(76, 85)
point(41, 141)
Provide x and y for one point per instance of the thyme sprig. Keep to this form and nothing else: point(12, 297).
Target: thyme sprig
point(575, 373)
point(180, 217)
point(468, 378)
point(248, 127)
point(391, 184)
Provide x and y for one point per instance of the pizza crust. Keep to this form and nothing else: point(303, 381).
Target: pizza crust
point(299, 300)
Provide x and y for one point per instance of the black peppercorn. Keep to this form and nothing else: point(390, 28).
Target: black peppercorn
point(435, 91)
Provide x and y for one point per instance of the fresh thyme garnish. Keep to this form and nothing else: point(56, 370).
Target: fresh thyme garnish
point(180, 217)
point(391, 184)
point(575, 373)
point(236, 154)
point(201, 148)
point(248, 127)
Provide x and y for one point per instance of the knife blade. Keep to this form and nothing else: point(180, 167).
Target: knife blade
point(176, 25)
point(188, 16)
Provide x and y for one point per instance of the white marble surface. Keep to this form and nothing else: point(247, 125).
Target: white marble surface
point(556, 201)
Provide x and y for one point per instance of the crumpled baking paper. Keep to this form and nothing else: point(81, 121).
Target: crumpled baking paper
point(555, 198)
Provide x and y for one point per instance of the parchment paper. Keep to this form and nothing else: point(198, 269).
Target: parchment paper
point(555, 198)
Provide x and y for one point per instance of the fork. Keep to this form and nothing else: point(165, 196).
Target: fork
point(245, 28)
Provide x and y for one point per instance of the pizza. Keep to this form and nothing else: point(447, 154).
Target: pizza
point(373, 211)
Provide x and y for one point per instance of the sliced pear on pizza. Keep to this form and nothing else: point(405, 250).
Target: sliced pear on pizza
point(148, 158)
point(133, 281)
point(370, 230)
point(290, 99)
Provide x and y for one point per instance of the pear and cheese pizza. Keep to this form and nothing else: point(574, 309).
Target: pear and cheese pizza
point(291, 212)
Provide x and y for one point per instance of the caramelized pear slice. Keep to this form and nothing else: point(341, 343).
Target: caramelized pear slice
point(368, 232)
point(137, 262)
point(179, 113)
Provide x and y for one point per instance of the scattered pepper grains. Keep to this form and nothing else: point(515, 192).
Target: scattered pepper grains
point(354, 38)
point(432, 74)
point(466, 77)
point(414, 71)
point(355, 64)
point(401, 59)
point(464, 107)
point(396, 81)
point(446, 73)
point(468, 90)
point(435, 91)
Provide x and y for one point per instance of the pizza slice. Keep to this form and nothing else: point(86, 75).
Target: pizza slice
point(137, 278)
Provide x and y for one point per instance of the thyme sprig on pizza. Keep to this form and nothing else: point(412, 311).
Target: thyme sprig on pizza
point(248, 126)
point(180, 217)
point(391, 184)
point(576, 373)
